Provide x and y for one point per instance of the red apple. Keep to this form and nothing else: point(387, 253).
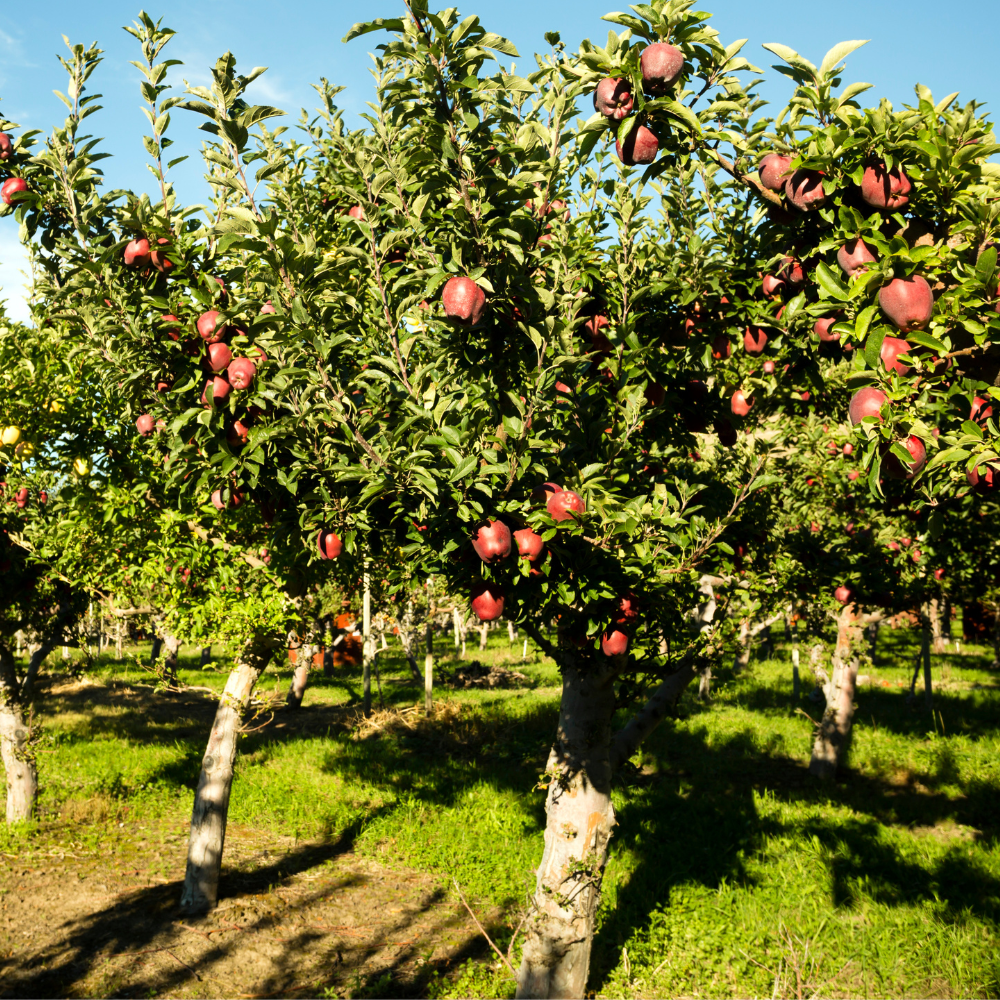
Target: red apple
point(463, 301)
point(170, 324)
point(487, 601)
point(145, 424)
point(158, 258)
point(209, 329)
point(726, 432)
point(939, 574)
point(773, 287)
point(986, 479)
point(529, 544)
point(137, 253)
point(908, 302)
point(267, 308)
point(613, 98)
point(235, 499)
point(804, 189)
point(356, 212)
point(885, 190)
point(721, 347)
point(6, 146)
point(43, 498)
point(905, 542)
point(661, 66)
point(220, 389)
point(740, 405)
point(598, 340)
point(848, 448)
point(774, 171)
point(626, 609)
point(491, 541)
point(13, 189)
point(768, 367)
point(241, 372)
point(565, 505)
point(791, 272)
point(329, 544)
point(640, 146)
point(754, 340)
point(854, 256)
point(843, 594)
point(866, 402)
point(822, 329)
point(853, 474)
point(918, 452)
point(237, 434)
point(892, 347)
point(981, 410)
point(218, 356)
point(21, 497)
point(614, 642)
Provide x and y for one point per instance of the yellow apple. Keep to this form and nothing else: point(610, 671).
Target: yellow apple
point(81, 466)
point(11, 435)
point(25, 449)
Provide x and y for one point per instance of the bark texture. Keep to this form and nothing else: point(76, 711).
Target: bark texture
point(579, 824)
point(211, 800)
point(172, 645)
point(15, 747)
point(834, 733)
point(937, 630)
point(300, 676)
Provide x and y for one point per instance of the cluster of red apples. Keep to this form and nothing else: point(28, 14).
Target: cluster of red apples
point(661, 66)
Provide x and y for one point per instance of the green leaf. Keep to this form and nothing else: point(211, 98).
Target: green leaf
point(831, 283)
point(791, 57)
point(838, 54)
point(864, 321)
point(947, 456)
point(873, 347)
point(677, 110)
point(499, 44)
point(467, 465)
point(379, 24)
point(986, 265)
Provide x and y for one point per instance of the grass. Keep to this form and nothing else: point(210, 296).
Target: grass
point(731, 873)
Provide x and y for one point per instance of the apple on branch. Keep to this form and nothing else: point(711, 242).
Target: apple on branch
point(463, 301)
point(487, 600)
point(492, 541)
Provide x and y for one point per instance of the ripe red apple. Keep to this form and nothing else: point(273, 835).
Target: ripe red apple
point(614, 642)
point(661, 65)
point(329, 544)
point(542, 493)
point(773, 287)
point(170, 323)
point(241, 372)
point(237, 434)
point(939, 574)
point(905, 542)
point(491, 541)
point(218, 356)
point(854, 256)
point(721, 347)
point(804, 189)
point(137, 253)
point(892, 347)
point(158, 257)
point(356, 212)
point(843, 594)
point(822, 328)
point(487, 601)
point(885, 190)
point(463, 301)
point(768, 367)
point(613, 98)
point(626, 610)
point(981, 410)
point(754, 340)
point(564, 389)
point(986, 479)
point(145, 424)
point(6, 146)
point(908, 302)
point(726, 432)
point(640, 146)
point(774, 171)
point(220, 389)
point(209, 329)
point(848, 448)
point(918, 452)
point(791, 272)
point(267, 308)
point(915, 555)
point(565, 505)
point(43, 498)
point(740, 405)
point(598, 340)
point(13, 189)
point(21, 497)
point(853, 474)
point(529, 544)
point(866, 402)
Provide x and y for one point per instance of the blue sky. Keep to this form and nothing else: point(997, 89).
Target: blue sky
point(300, 42)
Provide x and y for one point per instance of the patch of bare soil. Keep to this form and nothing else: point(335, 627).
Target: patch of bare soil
point(478, 675)
point(295, 919)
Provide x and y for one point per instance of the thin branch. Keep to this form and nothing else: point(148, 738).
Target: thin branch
point(482, 930)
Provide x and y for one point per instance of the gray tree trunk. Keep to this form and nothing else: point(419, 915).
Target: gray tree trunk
point(154, 651)
point(579, 823)
point(406, 640)
point(927, 624)
point(211, 800)
point(206, 656)
point(172, 645)
point(933, 615)
point(834, 733)
point(15, 746)
point(705, 683)
point(484, 634)
point(300, 675)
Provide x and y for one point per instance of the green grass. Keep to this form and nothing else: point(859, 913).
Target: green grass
point(732, 872)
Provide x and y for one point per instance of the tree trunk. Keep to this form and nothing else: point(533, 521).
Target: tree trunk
point(429, 665)
point(211, 800)
point(154, 651)
point(927, 624)
point(172, 644)
point(328, 649)
point(511, 632)
point(796, 688)
point(705, 683)
point(484, 632)
point(15, 746)
point(873, 640)
point(742, 658)
point(366, 642)
point(834, 733)
point(406, 640)
point(206, 656)
point(579, 823)
point(300, 675)
point(933, 609)
point(457, 627)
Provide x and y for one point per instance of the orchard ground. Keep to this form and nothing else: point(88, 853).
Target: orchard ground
point(732, 872)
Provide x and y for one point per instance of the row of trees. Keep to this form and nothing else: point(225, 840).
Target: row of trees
point(472, 342)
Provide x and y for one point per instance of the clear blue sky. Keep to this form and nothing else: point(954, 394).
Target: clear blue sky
point(947, 47)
